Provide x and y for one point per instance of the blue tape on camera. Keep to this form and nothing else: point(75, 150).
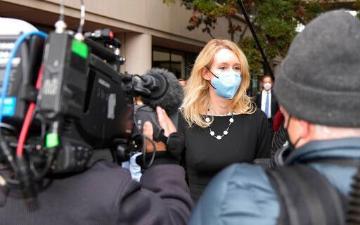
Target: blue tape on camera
point(9, 106)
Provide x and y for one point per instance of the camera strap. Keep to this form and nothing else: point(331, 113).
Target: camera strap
point(3, 195)
point(306, 197)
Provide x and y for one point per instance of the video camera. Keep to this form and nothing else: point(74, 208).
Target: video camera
point(64, 98)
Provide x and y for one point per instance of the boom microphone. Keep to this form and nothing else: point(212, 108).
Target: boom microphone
point(167, 93)
point(158, 87)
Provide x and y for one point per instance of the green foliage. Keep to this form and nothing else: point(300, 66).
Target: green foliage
point(357, 6)
point(275, 22)
point(249, 47)
point(168, 2)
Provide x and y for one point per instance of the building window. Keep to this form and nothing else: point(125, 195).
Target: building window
point(180, 63)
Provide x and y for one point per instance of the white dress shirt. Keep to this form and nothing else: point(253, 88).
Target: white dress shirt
point(263, 101)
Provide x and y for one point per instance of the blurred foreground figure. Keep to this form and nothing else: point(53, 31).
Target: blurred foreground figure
point(103, 193)
point(318, 88)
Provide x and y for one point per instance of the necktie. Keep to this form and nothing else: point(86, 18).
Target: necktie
point(267, 101)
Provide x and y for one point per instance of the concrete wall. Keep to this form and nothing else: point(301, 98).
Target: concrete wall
point(141, 16)
point(140, 24)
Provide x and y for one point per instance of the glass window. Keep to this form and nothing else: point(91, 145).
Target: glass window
point(178, 62)
point(177, 65)
point(161, 59)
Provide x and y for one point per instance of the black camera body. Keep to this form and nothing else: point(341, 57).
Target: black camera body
point(87, 95)
point(67, 101)
point(82, 93)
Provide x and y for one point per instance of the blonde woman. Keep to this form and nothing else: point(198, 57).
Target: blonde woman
point(219, 122)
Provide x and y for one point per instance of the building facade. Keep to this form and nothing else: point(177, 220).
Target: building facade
point(153, 34)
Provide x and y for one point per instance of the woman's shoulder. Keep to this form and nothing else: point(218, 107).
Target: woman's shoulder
point(256, 115)
point(181, 114)
point(182, 123)
point(259, 114)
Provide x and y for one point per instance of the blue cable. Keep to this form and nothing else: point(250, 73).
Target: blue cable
point(7, 73)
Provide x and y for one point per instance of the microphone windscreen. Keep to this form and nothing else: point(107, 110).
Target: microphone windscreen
point(172, 96)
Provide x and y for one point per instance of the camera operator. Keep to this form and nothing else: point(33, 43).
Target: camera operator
point(106, 194)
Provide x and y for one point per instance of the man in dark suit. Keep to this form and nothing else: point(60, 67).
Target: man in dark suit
point(265, 100)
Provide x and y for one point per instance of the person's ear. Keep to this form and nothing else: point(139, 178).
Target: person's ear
point(304, 128)
point(206, 74)
point(285, 114)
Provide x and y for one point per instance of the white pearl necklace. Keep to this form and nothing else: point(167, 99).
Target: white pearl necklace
point(225, 132)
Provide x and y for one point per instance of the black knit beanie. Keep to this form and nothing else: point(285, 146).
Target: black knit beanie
point(319, 80)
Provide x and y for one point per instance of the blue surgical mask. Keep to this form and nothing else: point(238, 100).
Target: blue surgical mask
point(226, 84)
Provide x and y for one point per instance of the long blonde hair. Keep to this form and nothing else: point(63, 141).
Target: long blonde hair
point(197, 97)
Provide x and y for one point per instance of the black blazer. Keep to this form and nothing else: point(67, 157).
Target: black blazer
point(274, 103)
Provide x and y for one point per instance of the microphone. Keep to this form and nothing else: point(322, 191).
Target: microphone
point(158, 87)
point(165, 90)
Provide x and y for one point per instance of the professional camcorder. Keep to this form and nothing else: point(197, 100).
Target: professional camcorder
point(63, 98)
